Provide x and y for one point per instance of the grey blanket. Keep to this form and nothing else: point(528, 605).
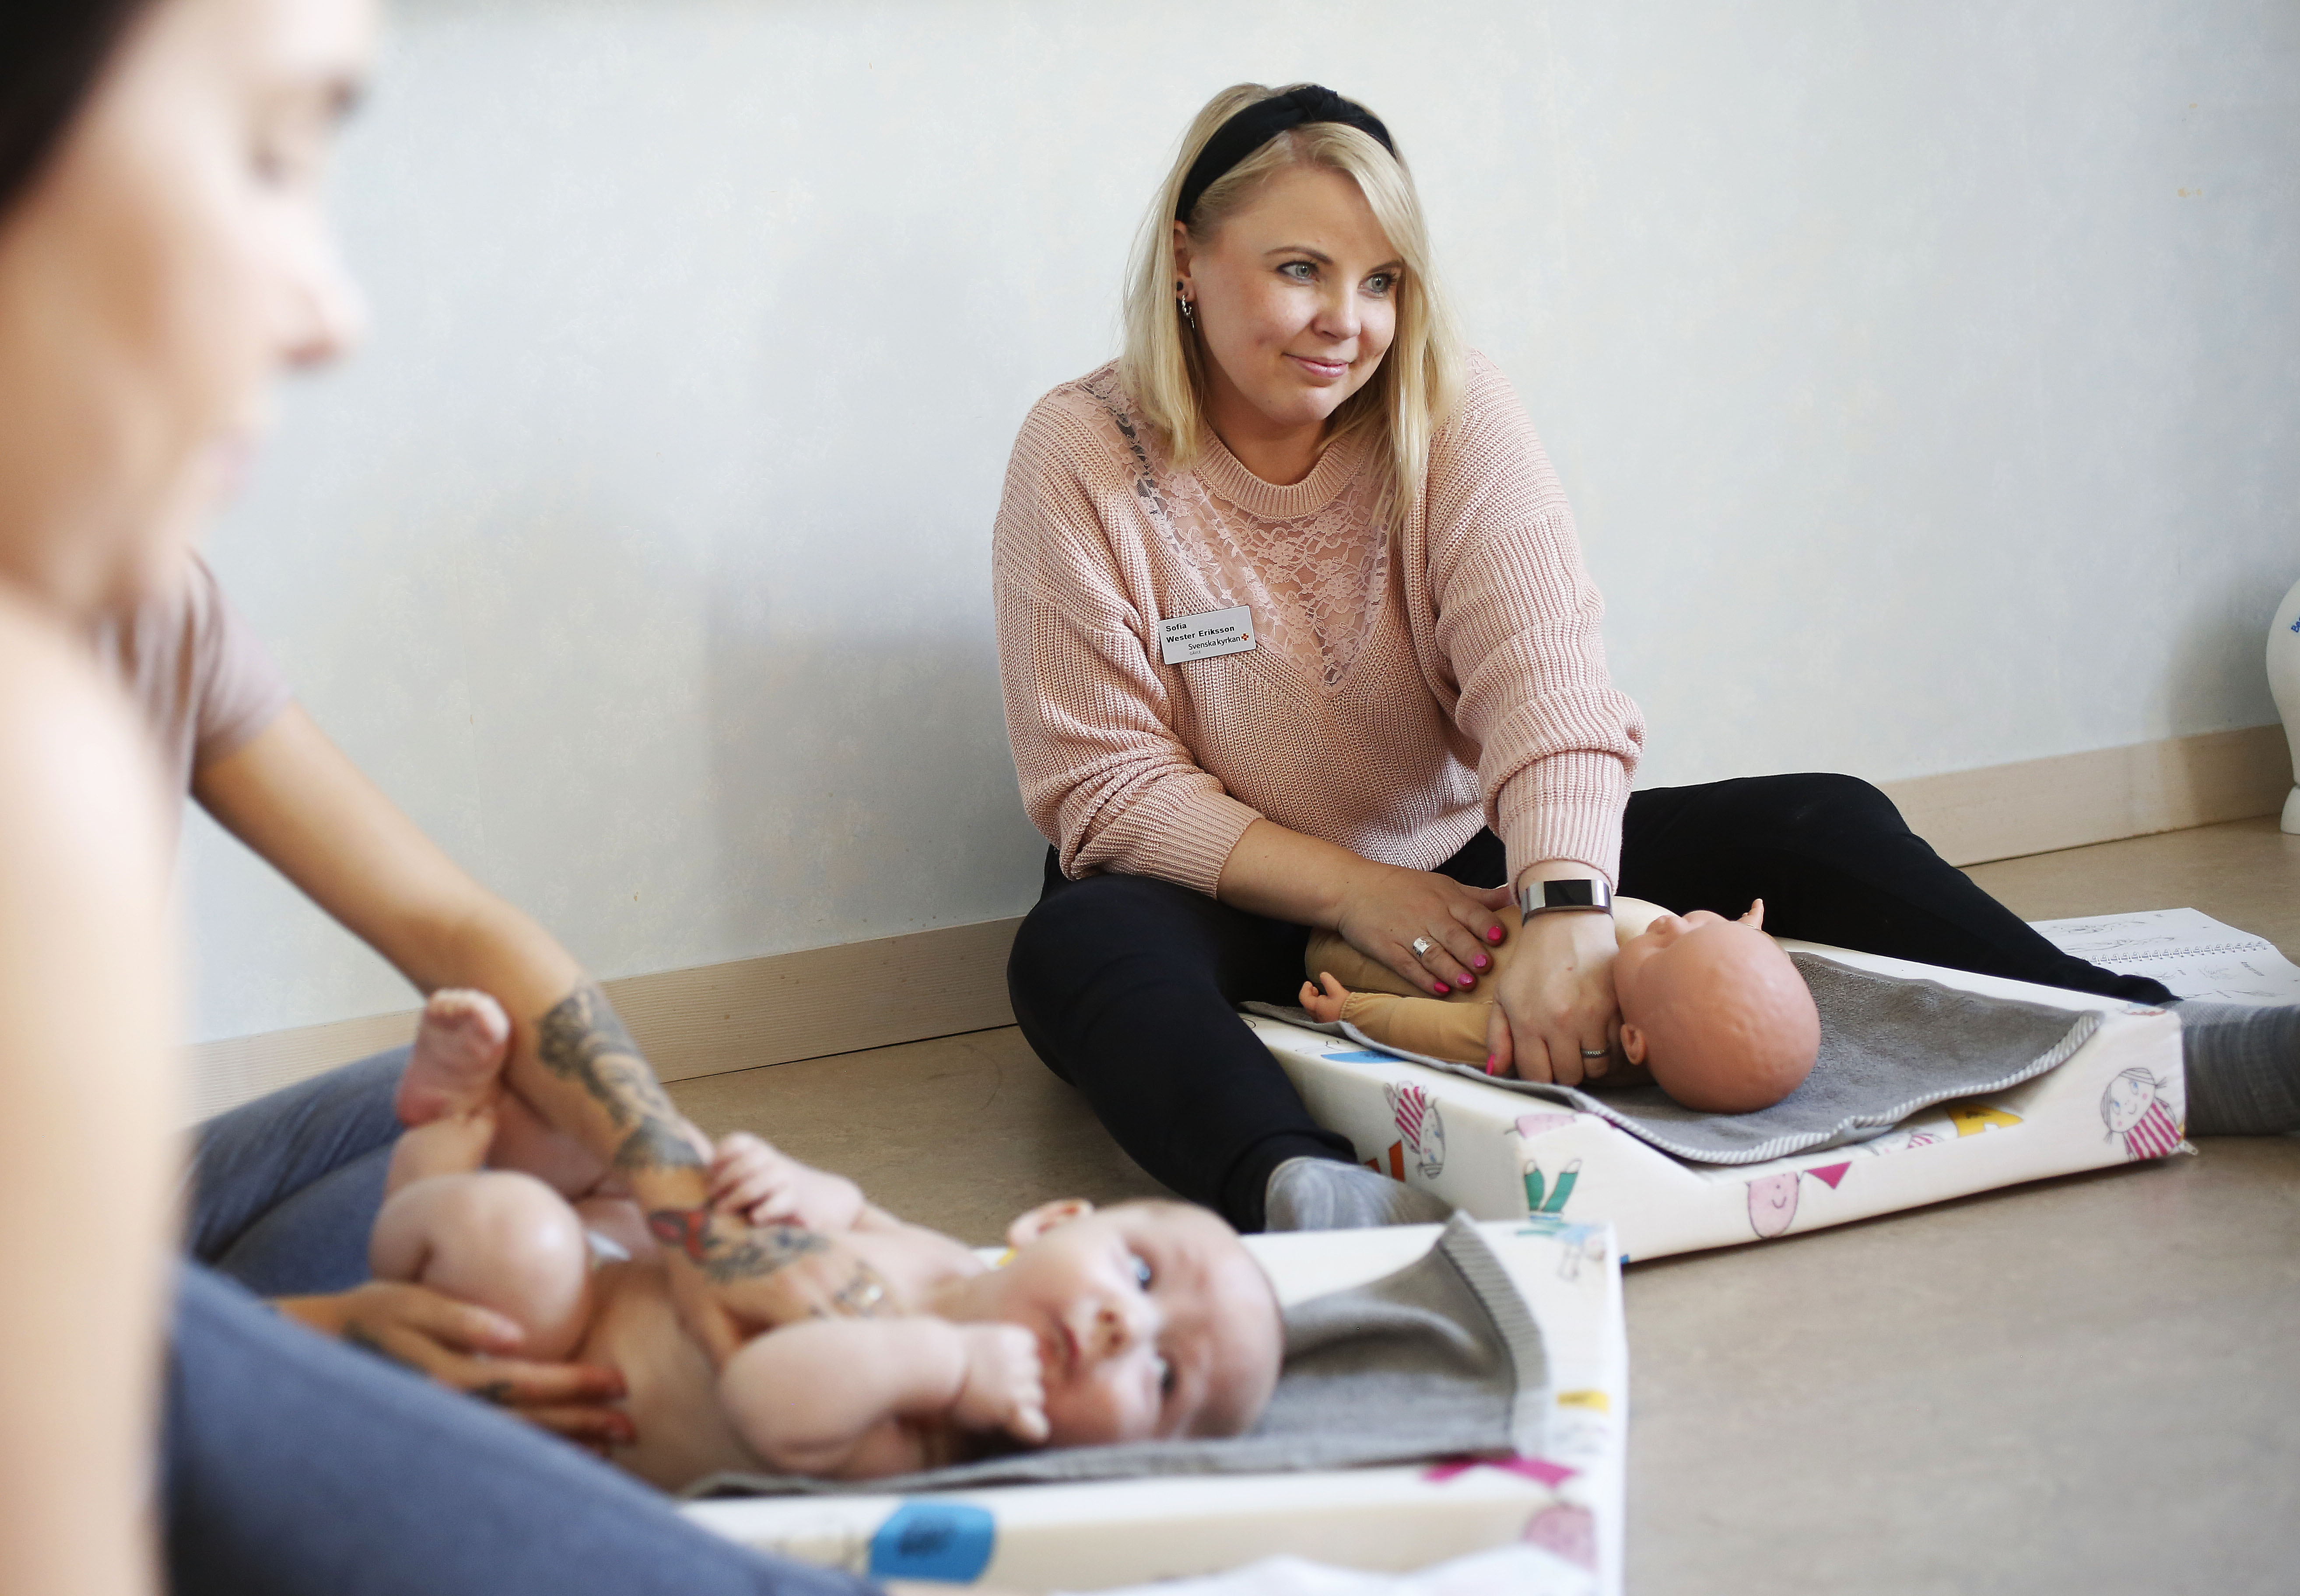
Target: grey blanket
point(1890, 1046)
point(1439, 1359)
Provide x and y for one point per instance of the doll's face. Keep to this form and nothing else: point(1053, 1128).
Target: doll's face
point(1715, 1008)
point(1637, 954)
point(1153, 1320)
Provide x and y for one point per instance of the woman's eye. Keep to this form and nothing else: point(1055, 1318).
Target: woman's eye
point(1143, 1273)
point(1381, 282)
point(1301, 271)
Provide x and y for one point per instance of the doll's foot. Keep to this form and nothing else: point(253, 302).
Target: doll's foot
point(456, 1067)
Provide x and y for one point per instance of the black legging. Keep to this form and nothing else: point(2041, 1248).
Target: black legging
point(1126, 987)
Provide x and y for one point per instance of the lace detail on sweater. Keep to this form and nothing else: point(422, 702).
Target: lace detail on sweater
point(1316, 582)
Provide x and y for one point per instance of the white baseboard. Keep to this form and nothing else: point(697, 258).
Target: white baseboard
point(706, 1021)
point(717, 1017)
point(2038, 806)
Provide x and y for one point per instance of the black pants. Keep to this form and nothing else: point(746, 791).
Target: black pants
point(1126, 987)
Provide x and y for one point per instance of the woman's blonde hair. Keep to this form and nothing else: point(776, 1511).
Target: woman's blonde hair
point(1420, 383)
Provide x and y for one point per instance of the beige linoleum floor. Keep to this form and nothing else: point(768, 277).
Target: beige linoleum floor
point(2084, 1385)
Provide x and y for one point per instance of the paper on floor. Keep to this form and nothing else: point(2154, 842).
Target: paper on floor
point(2191, 952)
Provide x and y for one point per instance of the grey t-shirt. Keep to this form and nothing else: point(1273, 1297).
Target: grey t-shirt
point(204, 682)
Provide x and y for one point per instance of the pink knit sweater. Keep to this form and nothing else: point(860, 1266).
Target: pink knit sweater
point(1402, 692)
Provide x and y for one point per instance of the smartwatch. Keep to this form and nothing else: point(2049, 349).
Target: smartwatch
point(1559, 897)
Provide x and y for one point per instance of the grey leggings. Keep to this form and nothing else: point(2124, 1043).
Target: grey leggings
point(295, 1464)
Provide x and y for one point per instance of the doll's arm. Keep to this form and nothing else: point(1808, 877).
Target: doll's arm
point(1455, 1031)
point(846, 1399)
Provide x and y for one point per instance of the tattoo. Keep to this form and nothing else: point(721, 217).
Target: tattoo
point(656, 1144)
point(582, 1041)
point(497, 1392)
point(746, 1254)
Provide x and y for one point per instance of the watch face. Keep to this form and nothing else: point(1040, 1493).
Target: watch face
point(1582, 893)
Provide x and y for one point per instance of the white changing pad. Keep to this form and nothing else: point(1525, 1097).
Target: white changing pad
point(1090, 1536)
point(2119, 1097)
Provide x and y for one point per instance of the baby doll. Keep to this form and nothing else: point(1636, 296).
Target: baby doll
point(1711, 1006)
point(1145, 1320)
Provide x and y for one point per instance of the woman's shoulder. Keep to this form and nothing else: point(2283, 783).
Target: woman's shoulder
point(1488, 439)
point(1086, 426)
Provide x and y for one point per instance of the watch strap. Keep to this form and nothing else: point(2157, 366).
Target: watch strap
point(1568, 896)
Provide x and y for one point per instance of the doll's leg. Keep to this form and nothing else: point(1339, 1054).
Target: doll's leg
point(501, 1240)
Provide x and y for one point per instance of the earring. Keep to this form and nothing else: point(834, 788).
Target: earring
point(1189, 314)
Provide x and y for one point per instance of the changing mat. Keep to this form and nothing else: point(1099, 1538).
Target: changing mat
point(1501, 1149)
point(1441, 1358)
point(1088, 1536)
point(1890, 1046)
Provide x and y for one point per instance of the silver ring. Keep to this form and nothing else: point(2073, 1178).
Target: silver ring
point(1601, 1052)
point(1422, 946)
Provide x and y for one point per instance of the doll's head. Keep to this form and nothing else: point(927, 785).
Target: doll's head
point(1153, 1320)
point(1716, 1010)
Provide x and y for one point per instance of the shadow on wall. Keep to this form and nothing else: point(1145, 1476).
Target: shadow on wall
point(862, 784)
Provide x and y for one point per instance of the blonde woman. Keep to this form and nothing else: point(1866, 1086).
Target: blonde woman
point(1295, 633)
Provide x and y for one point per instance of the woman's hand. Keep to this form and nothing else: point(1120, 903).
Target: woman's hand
point(1384, 909)
point(465, 1349)
point(1553, 1007)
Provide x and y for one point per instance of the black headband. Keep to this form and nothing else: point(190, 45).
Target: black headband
point(1263, 120)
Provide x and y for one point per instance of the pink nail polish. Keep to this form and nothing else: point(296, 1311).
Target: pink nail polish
point(1489, 1063)
point(1482, 962)
point(1441, 988)
point(1494, 935)
point(1466, 981)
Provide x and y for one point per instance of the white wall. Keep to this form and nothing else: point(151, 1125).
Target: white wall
point(1923, 377)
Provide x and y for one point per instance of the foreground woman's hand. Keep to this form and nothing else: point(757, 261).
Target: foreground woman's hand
point(1554, 1004)
point(466, 1348)
point(1384, 909)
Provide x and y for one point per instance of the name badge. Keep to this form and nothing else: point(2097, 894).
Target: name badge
point(1204, 636)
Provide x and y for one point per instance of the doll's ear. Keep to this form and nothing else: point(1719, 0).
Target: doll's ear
point(1048, 1216)
point(1755, 919)
point(1633, 1044)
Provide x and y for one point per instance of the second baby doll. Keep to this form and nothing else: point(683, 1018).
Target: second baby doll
point(1712, 1006)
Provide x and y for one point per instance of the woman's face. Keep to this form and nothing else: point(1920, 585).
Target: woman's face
point(172, 257)
point(1295, 296)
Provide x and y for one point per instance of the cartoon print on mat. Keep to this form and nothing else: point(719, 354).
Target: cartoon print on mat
point(1529, 1126)
point(2135, 1110)
point(1540, 1197)
point(1773, 1204)
point(1773, 1197)
point(1421, 1125)
point(1565, 1531)
point(1899, 1141)
point(1971, 1118)
point(1584, 1248)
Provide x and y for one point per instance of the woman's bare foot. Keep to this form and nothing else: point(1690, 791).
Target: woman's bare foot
point(457, 1066)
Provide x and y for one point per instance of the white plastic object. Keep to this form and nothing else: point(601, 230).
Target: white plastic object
point(2284, 682)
